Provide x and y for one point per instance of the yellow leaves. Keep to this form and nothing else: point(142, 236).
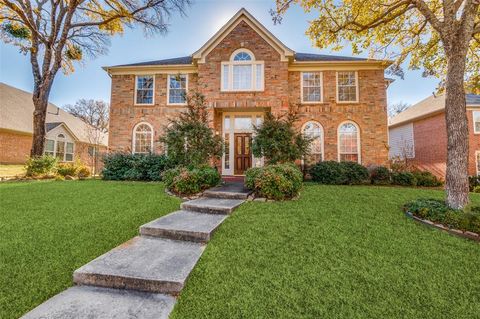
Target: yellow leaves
point(73, 52)
point(113, 17)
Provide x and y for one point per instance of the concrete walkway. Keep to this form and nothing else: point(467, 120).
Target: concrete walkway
point(140, 278)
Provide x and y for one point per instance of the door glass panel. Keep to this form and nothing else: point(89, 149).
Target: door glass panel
point(239, 145)
point(247, 145)
point(243, 122)
point(226, 124)
point(227, 151)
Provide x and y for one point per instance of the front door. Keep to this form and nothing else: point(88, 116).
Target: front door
point(243, 153)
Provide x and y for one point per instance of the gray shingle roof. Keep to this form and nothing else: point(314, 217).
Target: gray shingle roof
point(51, 126)
point(473, 99)
point(172, 61)
point(324, 57)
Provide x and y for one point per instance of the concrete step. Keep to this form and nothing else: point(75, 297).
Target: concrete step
point(184, 225)
point(212, 205)
point(144, 264)
point(228, 191)
point(103, 303)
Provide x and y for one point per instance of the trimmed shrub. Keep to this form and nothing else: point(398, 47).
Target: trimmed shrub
point(476, 189)
point(355, 173)
point(437, 211)
point(40, 166)
point(473, 181)
point(83, 172)
point(404, 179)
point(65, 169)
point(380, 175)
point(136, 167)
point(328, 172)
point(426, 179)
point(190, 181)
point(279, 181)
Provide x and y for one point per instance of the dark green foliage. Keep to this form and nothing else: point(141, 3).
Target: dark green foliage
point(190, 181)
point(188, 138)
point(437, 211)
point(278, 141)
point(278, 181)
point(380, 175)
point(17, 31)
point(40, 166)
point(473, 182)
point(328, 172)
point(135, 167)
point(404, 179)
point(426, 179)
point(339, 173)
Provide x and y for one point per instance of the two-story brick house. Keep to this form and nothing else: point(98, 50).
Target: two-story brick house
point(245, 71)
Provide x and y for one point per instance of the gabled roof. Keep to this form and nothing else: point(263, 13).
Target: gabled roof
point(302, 57)
point(429, 106)
point(245, 16)
point(16, 114)
point(172, 61)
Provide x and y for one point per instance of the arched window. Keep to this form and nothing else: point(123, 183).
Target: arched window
point(242, 72)
point(60, 147)
point(349, 142)
point(314, 131)
point(142, 138)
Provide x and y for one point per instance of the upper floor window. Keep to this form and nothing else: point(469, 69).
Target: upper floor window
point(314, 131)
point(347, 86)
point(177, 89)
point(242, 72)
point(142, 138)
point(60, 148)
point(349, 142)
point(476, 121)
point(311, 87)
point(144, 88)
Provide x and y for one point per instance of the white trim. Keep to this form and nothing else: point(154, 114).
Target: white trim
point(64, 140)
point(168, 88)
point(473, 120)
point(136, 87)
point(359, 150)
point(476, 162)
point(134, 137)
point(322, 144)
point(321, 88)
point(356, 87)
point(254, 63)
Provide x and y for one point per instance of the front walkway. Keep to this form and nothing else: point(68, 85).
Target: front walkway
point(140, 278)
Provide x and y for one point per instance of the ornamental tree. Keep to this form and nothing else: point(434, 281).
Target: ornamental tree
point(441, 37)
point(55, 33)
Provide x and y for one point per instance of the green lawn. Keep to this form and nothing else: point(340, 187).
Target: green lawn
point(337, 252)
point(49, 229)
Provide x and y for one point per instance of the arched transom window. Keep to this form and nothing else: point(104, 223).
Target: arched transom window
point(60, 146)
point(242, 72)
point(349, 142)
point(314, 131)
point(142, 138)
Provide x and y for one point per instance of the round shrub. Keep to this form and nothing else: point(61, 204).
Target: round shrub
point(65, 169)
point(404, 179)
point(328, 172)
point(426, 179)
point(83, 172)
point(136, 167)
point(279, 181)
point(380, 175)
point(40, 166)
point(190, 181)
point(354, 173)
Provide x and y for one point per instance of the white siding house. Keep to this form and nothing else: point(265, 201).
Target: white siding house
point(401, 141)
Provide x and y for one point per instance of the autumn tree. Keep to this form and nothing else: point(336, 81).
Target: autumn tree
point(56, 33)
point(442, 37)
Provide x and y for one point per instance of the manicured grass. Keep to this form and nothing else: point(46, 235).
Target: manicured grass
point(337, 252)
point(49, 229)
point(11, 170)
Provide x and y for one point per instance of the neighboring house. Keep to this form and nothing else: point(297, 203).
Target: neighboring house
point(68, 137)
point(419, 134)
point(245, 71)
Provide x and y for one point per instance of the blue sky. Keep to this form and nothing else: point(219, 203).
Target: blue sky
point(186, 35)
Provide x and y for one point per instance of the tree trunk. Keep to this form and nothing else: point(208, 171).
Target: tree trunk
point(41, 94)
point(457, 133)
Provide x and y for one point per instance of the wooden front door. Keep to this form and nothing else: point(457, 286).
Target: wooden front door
point(243, 153)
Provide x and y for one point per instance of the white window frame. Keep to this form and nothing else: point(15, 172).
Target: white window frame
point(356, 87)
point(168, 88)
point(230, 65)
point(473, 120)
point(322, 135)
point(134, 137)
point(55, 147)
point(321, 88)
point(136, 89)
point(476, 162)
point(359, 150)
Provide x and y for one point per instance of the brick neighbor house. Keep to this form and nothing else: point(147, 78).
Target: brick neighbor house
point(245, 71)
point(419, 134)
point(68, 137)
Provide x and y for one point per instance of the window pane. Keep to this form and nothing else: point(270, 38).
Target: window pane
point(347, 86)
point(242, 77)
point(348, 139)
point(226, 124)
point(243, 122)
point(242, 56)
point(227, 151)
point(311, 83)
point(144, 90)
point(49, 146)
point(143, 139)
point(314, 131)
point(69, 148)
point(259, 77)
point(476, 121)
point(225, 77)
point(177, 89)
point(60, 150)
point(68, 157)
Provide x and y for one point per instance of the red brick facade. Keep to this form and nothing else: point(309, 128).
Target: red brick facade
point(14, 147)
point(282, 89)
